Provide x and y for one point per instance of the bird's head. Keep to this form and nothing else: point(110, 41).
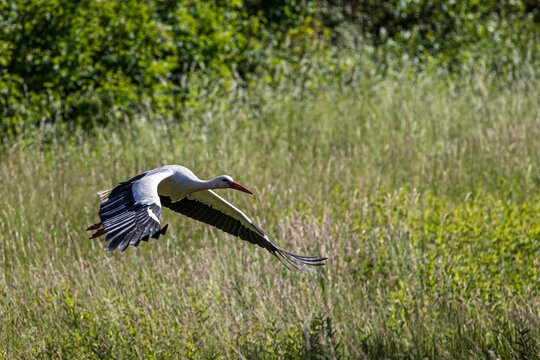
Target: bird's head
point(225, 181)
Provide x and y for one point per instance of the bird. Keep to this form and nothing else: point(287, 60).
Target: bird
point(131, 211)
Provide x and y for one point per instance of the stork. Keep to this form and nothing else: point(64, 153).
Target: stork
point(131, 211)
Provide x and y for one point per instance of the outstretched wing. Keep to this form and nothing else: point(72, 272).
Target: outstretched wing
point(131, 212)
point(210, 208)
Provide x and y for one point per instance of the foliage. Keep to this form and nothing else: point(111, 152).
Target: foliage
point(424, 196)
point(451, 33)
point(90, 62)
point(399, 138)
point(87, 63)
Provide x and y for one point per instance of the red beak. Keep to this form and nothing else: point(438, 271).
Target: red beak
point(237, 186)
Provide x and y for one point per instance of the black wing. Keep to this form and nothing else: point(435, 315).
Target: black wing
point(126, 222)
point(208, 207)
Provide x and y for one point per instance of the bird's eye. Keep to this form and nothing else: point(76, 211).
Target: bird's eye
point(226, 181)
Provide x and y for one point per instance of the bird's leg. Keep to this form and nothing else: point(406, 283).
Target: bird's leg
point(97, 234)
point(94, 227)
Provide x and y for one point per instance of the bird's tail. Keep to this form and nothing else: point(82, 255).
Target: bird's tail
point(104, 194)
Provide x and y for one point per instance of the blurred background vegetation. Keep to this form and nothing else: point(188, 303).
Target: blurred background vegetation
point(81, 64)
point(398, 138)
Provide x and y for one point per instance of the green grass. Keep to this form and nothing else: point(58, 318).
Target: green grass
point(423, 193)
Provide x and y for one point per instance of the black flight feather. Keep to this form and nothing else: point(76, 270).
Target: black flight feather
point(126, 222)
point(202, 212)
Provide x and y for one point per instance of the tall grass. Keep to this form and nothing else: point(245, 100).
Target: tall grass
point(423, 193)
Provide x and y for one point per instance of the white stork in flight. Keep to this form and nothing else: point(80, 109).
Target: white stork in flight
point(131, 211)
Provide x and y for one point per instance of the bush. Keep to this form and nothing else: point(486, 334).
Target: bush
point(78, 62)
point(452, 33)
point(87, 63)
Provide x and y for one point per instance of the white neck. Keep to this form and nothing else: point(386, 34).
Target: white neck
point(198, 184)
point(184, 182)
point(210, 184)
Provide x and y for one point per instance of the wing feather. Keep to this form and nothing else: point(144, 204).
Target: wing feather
point(208, 207)
point(131, 211)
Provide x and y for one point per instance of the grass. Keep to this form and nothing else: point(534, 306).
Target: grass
point(423, 193)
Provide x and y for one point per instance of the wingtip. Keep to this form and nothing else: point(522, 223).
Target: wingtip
point(299, 262)
point(164, 229)
point(110, 248)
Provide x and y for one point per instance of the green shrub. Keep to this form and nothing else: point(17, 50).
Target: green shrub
point(87, 63)
point(454, 33)
point(78, 61)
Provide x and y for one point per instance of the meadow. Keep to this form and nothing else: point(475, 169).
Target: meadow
point(423, 192)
